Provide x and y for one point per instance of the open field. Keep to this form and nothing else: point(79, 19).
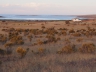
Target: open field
point(47, 46)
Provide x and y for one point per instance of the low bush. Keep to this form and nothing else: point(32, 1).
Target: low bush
point(67, 49)
point(2, 52)
point(71, 31)
point(21, 51)
point(87, 48)
point(77, 34)
point(41, 50)
point(63, 32)
point(67, 22)
point(43, 27)
point(79, 39)
point(0, 62)
point(8, 47)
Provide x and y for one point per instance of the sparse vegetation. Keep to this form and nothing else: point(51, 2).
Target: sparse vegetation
point(67, 49)
point(2, 52)
point(71, 31)
point(41, 50)
point(22, 52)
point(32, 47)
point(77, 34)
point(87, 48)
point(67, 22)
point(79, 40)
point(0, 62)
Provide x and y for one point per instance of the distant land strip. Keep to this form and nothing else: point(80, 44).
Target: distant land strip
point(87, 16)
point(1, 16)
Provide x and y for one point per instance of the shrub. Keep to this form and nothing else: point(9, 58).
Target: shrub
point(2, 52)
point(67, 22)
point(67, 49)
point(32, 51)
point(21, 51)
point(67, 41)
point(39, 42)
point(29, 37)
point(59, 52)
point(41, 50)
point(51, 38)
point(8, 47)
point(43, 27)
point(8, 44)
point(3, 39)
point(77, 34)
point(87, 48)
point(87, 33)
point(0, 62)
point(3, 21)
point(71, 31)
point(20, 42)
point(58, 39)
point(64, 32)
point(27, 49)
point(79, 39)
point(17, 40)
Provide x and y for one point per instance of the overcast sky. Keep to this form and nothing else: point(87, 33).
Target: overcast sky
point(48, 7)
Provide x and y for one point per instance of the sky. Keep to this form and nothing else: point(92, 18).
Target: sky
point(48, 7)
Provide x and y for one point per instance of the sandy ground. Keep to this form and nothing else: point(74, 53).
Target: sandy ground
point(50, 61)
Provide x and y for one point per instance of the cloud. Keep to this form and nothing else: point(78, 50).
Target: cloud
point(29, 8)
point(31, 5)
point(45, 8)
point(26, 5)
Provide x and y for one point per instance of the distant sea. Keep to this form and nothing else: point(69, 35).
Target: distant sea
point(36, 17)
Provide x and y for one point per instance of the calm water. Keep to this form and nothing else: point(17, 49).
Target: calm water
point(37, 17)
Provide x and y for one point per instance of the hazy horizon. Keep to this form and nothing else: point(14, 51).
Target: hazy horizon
point(48, 7)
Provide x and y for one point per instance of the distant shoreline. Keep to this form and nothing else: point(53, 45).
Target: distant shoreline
point(1, 16)
point(87, 16)
point(37, 17)
point(31, 20)
point(45, 17)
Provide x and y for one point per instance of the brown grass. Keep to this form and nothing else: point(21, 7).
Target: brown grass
point(87, 48)
point(47, 48)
